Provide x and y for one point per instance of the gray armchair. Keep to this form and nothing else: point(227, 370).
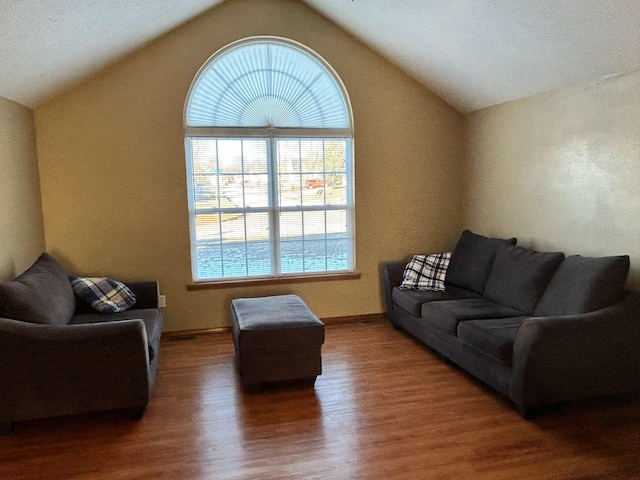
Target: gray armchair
point(89, 362)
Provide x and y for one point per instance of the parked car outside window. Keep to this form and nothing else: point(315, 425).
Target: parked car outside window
point(315, 183)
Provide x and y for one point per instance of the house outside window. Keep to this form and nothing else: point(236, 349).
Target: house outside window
point(269, 150)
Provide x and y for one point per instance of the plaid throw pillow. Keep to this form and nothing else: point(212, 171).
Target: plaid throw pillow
point(426, 272)
point(104, 294)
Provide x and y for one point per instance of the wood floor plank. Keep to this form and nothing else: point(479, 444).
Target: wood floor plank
point(384, 407)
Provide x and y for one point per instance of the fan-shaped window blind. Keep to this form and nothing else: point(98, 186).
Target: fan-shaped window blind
point(266, 84)
point(268, 142)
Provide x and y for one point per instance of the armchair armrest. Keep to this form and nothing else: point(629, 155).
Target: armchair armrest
point(577, 356)
point(50, 370)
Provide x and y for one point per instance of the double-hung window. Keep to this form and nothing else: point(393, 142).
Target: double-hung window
point(268, 141)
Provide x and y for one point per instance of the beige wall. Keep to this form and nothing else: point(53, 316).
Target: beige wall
point(21, 233)
point(561, 170)
point(112, 164)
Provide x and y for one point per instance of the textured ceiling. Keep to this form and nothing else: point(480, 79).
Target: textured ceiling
point(476, 53)
point(48, 46)
point(473, 53)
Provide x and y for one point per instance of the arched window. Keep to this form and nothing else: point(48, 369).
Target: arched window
point(268, 139)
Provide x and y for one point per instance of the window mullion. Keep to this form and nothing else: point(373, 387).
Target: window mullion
point(244, 208)
point(274, 208)
point(324, 193)
point(302, 218)
point(220, 214)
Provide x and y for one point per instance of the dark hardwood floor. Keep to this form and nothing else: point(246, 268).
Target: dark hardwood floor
point(385, 407)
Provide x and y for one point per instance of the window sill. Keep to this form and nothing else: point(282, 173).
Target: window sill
point(257, 282)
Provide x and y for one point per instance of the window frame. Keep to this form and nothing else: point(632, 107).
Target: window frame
point(271, 135)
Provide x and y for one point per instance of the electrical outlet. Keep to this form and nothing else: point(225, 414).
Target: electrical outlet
point(162, 301)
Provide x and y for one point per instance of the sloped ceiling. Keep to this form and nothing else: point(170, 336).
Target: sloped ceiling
point(473, 53)
point(476, 53)
point(48, 46)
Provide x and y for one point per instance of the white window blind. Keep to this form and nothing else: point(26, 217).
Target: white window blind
point(266, 84)
point(269, 164)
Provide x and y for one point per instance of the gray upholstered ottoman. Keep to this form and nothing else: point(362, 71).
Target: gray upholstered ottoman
point(276, 338)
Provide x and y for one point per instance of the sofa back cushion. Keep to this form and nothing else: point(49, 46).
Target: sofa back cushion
point(584, 284)
point(472, 259)
point(42, 294)
point(519, 276)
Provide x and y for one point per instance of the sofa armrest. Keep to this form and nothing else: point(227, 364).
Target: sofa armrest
point(50, 370)
point(569, 357)
point(392, 274)
point(146, 292)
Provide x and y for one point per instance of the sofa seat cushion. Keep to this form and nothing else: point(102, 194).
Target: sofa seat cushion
point(412, 300)
point(491, 337)
point(151, 317)
point(472, 259)
point(519, 276)
point(42, 294)
point(446, 315)
point(584, 284)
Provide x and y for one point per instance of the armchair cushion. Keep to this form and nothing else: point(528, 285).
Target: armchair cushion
point(42, 294)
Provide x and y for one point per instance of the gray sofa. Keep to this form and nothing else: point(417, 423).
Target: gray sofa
point(537, 327)
point(58, 356)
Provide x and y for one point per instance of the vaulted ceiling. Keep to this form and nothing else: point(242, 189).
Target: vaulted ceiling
point(473, 53)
